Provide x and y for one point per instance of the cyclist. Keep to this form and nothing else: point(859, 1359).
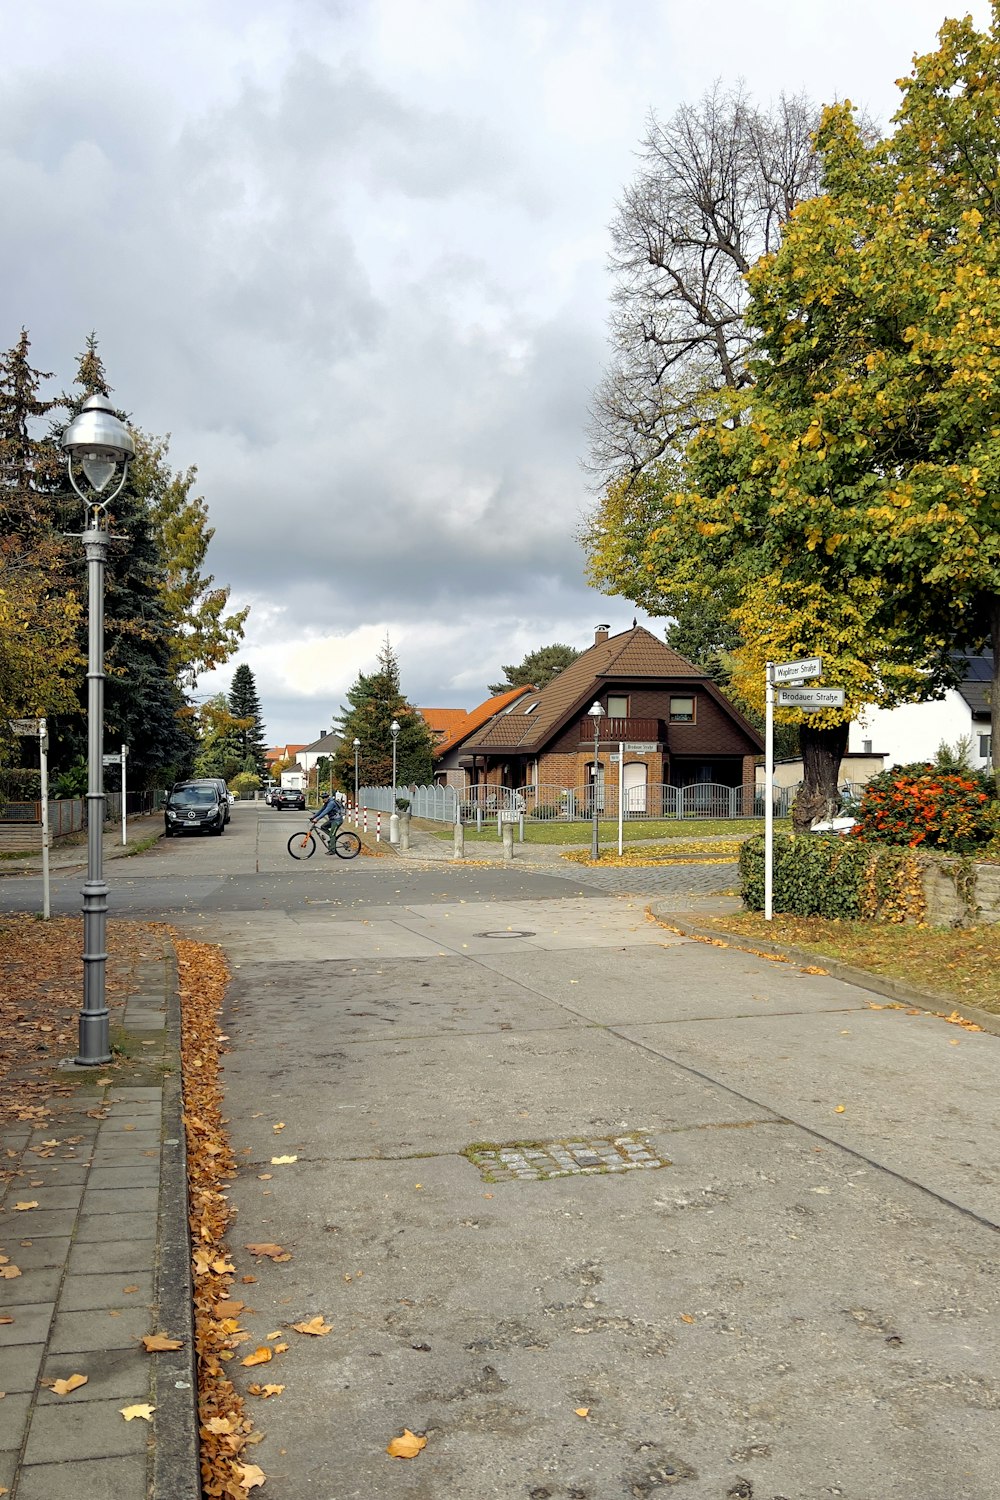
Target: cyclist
point(327, 820)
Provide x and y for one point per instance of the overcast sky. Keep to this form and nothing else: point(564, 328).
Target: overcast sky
point(352, 255)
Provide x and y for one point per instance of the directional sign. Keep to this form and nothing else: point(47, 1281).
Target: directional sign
point(797, 671)
point(831, 697)
point(112, 760)
point(25, 726)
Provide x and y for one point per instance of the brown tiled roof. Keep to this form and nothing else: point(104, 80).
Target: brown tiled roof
point(633, 655)
point(476, 717)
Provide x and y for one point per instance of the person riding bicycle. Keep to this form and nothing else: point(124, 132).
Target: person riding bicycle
point(327, 820)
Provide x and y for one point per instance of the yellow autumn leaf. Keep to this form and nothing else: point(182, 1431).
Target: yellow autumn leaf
point(20, 1207)
point(281, 1161)
point(71, 1383)
point(686, 1318)
point(251, 1477)
point(839, 1109)
point(219, 1425)
point(154, 1343)
point(582, 1411)
point(406, 1446)
point(258, 1357)
point(265, 1390)
point(8, 1273)
point(141, 1409)
point(315, 1326)
point(280, 1348)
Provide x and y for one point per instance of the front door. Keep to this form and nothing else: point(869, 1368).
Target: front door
point(635, 789)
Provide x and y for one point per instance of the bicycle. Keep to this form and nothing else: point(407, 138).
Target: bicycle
point(346, 845)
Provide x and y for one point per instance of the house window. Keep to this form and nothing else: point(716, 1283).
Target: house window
point(617, 707)
point(985, 746)
point(682, 710)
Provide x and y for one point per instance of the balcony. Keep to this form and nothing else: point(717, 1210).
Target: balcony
point(621, 731)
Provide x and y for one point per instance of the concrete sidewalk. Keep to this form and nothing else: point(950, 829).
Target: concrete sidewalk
point(73, 855)
point(93, 1231)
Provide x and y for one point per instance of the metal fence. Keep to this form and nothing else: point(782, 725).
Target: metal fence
point(537, 804)
point(66, 814)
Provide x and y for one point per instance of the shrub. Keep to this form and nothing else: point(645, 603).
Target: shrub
point(17, 785)
point(922, 806)
point(402, 804)
point(822, 875)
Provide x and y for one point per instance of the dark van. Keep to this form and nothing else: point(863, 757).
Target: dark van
point(195, 807)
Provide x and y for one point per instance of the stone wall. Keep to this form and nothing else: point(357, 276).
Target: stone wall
point(960, 893)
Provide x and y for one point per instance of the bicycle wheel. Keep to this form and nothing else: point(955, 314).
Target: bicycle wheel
point(348, 844)
point(302, 845)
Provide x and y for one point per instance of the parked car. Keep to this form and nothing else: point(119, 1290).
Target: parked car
point(218, 782)
point(288, 797)
point(194, 807)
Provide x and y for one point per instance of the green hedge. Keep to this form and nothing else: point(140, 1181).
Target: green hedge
point(824, 875)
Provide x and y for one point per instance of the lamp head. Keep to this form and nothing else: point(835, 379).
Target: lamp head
point(357, 744)
point(98, 441)
point(394, 728)
point(595, 711)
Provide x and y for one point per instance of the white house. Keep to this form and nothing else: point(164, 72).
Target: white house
point(326, 746)
point(914, 731)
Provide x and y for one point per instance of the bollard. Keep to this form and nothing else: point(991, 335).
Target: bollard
point(458, 850)
point(508, 842)
point(404, 832)
point(364, 815)
point(394, 828)
point(378, 827)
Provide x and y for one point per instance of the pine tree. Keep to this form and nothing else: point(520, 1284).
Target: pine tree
point(537, 669)
point(244, 705)
point(375, 700)
point(144, 706)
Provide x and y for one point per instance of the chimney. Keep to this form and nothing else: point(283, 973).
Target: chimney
point(601, 634)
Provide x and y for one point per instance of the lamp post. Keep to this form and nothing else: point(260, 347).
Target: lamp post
point(98, 443)
point(596, 712)
point(357, 783)
point(394, 810)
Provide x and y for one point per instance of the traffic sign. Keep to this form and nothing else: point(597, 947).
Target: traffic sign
point(831, 697)
point(112, 760)
point(25, 726)
point(797, 671)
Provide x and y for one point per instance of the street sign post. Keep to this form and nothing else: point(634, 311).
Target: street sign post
point(26, 727)
point(797, 671)
point(816, 697)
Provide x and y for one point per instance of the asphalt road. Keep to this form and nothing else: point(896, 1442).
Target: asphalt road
point(790, 1293)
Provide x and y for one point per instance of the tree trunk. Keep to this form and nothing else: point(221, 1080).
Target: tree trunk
point(822, 751)
point(994, 609)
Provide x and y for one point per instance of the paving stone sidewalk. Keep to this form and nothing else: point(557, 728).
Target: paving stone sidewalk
point(93, 1228)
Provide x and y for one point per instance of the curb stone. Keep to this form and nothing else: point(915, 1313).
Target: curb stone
point(864, 979)
point(176, 1458)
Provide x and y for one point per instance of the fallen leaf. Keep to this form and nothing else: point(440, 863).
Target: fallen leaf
point(582, 1411)
point(229, 1308)
point(280, 1161)
point(265, 1390)
point(7, 1273)
point(406, 1446)
point(246, 1280)
point(250, 1476)
point(821, 1190)
point(5, 1319)
point(221, 1267)
point(280, 1125)
point(264, 1176)
point(71, 1383)
point(315, 1326)
point(273, 1252)
point(128, 1289)
point(260, 1356)
point(277, 1334)
point(219, 1425)
point(22, 1206)
point(280, 1348)
point(156, 1342)
point(686, 1318)
point(839, 1109)
point(141, 1409)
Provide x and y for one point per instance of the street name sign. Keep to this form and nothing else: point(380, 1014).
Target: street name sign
point(25, 726)
point(112, 760)
point(831, 697)
point(797, 671)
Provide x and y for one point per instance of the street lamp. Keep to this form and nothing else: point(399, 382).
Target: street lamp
point(394, 731)
point(98, 443)
point(357, 748)
point(596, 712)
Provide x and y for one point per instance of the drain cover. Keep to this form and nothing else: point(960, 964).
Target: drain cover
point(508, 932)
point(576, 1157)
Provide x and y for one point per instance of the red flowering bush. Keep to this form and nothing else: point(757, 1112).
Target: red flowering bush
point(924, 807)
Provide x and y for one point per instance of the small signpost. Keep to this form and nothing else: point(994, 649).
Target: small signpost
point(27, 729)
point(792, 695)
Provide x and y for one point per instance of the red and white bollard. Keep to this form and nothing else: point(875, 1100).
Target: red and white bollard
point(378, 828)
point(364, 816)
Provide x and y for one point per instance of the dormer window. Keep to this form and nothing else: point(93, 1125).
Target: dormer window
point(531, 707)
point(617, 706)
point(682, 710)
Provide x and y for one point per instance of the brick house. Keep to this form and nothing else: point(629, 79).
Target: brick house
point(452, 727)
point(674, 724)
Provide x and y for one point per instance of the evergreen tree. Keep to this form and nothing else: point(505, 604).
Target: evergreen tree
point(537, 669)
point(144, 706)
point(220, 750)
point(244, 705)
point(375, 700)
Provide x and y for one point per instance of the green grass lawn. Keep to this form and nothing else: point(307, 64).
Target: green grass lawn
point(557, 832)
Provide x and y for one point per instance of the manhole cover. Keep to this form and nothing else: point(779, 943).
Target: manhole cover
point(578, 1156)
point(508, 932)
